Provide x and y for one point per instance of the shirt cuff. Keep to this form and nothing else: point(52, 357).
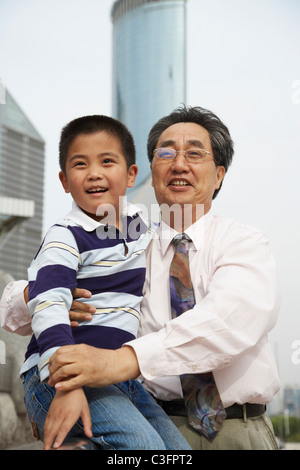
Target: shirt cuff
point(43, 363)
point(151, 355)
point(14, 314)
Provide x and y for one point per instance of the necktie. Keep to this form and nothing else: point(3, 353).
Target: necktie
point(204, 407)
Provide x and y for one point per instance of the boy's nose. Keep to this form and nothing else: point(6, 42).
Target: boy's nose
point(95, 173)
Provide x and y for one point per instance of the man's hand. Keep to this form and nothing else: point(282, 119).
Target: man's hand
point(65, 410)
point(25, 293)
point(77, 365)
point(80, 311)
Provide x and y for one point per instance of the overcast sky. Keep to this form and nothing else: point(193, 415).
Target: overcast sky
point(243, 63)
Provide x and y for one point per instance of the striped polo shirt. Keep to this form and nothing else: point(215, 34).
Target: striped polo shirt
point(81, 252)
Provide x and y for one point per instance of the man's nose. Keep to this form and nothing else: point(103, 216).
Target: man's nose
point(180, 163)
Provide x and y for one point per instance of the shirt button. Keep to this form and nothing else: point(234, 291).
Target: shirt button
point(152, 372)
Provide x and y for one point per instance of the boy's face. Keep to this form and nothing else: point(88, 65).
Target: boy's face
point(96, 172)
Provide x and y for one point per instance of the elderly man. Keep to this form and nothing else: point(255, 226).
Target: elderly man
point(210, 300)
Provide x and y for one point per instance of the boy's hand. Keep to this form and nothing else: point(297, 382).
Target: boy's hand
point(66, 408)
point(80, 311)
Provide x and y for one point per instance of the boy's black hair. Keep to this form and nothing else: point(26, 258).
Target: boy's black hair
point(96, 123)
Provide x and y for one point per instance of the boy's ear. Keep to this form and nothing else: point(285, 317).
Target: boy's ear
point(132, 172)
point(64, 181)
point(151, 174)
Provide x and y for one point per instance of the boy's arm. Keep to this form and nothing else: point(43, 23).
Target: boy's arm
point(52, 277)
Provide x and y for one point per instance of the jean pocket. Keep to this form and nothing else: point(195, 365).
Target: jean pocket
point(30, 380)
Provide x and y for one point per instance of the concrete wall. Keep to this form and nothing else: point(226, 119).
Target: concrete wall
point(15, 428)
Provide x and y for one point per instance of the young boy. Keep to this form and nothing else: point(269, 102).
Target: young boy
point(92, 248)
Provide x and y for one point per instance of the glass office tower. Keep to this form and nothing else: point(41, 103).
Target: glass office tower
point(22, 160)
point(149, 64)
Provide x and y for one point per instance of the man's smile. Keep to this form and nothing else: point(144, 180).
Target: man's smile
point(179, 182)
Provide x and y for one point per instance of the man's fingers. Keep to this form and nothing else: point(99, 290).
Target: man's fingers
point(60, 374)
point(65, 352)
point(81, 312)
point(86, 294)
point(70, 384)
point(66, 378)
point(25, 293)
point(82, 307)
point(55, 364)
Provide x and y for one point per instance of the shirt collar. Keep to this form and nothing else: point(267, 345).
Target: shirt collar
point(195, 232)
point(88, 224)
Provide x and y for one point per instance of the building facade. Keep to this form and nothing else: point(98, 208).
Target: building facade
point(149, 69)
point(22, 159)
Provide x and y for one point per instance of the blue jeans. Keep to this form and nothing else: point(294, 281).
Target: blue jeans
point(124, 416)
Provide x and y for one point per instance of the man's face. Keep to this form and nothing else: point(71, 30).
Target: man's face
point(181, 182)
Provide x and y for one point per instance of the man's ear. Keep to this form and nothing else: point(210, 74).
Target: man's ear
point(219, 176)
point(132, 172)
point(64, 181)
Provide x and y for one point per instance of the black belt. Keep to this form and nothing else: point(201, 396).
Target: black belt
point(235, 411)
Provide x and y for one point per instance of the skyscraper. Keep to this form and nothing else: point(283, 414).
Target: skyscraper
point(21, 187)
point(149, 64)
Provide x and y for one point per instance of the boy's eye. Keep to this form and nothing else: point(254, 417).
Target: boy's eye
point(79, 163)
point(107, 160)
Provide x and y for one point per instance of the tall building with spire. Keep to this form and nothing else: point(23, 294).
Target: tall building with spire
point(149, 72)
point(21, 189)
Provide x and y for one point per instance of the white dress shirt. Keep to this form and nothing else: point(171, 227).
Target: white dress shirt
point(237, 304)
point(14, 314)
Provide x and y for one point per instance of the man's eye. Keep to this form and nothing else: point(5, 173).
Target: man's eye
point(195, 153)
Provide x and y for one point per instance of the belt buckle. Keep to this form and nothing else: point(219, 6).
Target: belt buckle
point(244, 409)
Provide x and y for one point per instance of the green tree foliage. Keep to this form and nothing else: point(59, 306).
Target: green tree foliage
point(287, 428)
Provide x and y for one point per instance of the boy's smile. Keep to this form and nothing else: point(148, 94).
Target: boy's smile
point(96, 172)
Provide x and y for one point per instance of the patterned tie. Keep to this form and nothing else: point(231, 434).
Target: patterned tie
point(204, 407)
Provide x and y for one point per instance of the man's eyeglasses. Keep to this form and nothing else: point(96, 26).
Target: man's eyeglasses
point(192, 155)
